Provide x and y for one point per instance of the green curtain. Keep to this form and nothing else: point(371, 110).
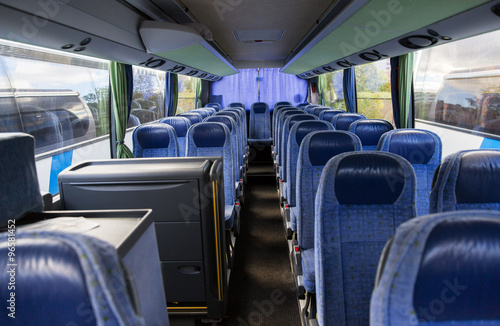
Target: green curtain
point(198, 93)
point(118, 81)
point(405, 75)
point(322, 85)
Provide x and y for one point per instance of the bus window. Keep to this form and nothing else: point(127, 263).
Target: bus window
point(187, 93)
point(334, 92)
point(457, 86)
point(373, 85)
point(148, 100)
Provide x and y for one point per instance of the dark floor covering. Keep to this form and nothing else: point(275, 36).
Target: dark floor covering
point(261, 289)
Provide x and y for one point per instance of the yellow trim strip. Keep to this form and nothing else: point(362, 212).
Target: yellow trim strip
point(215, 199)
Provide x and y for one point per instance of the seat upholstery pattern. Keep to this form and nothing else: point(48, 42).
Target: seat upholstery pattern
point(19, 186)
point(441, 269)
point(236, 105)
point(260, 122)
point(181, 126)
point(243, 124)
point(423, 149)
point(216, 106)
point(370, 131)
point(344, 120)
point(279, 118)
point(362, 198)
point(328, 115)
point(214, 139)
point(76, 277)
point(194, 117)
point(155, 140)
point(468, 179)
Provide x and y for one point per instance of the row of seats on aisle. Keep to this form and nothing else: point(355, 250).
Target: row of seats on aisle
point(208, 131)
point(353, 187)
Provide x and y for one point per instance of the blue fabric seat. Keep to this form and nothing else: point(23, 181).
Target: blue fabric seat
point(243, 124)
point(370, 131)
point(302, 105)
point(281, 103)
point(310, 107)
point(155, 140)
point(277, 121)
point(316, 149)
point(209, 109)
point(204, 113)
point(328, 115)
point(216, 106)
point(235, 115)
point(236, 105)
point(78, 278)
point(181, 126)
point(423, 150)
point(440, 269)
point(317, 111)
point(194, 117)
point(362, 198)
point(133, 121)
point(231, 125)
point(214, 139)
point(260, 124)
point(19, 182)
point(279, 130)
point(344, 120)
point(467, 180)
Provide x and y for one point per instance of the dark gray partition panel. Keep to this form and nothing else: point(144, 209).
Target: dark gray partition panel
point(186, 196)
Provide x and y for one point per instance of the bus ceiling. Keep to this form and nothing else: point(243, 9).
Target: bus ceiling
point(226, 35)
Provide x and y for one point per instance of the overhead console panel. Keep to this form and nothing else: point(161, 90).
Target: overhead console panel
point(367, 31)
point(101, 29)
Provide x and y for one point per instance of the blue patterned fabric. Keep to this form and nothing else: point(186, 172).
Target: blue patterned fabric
point(285, 131)
point(317, 111)
point(362, 198)
point(93, 262)
point(294, 140)
point(468, 179)
point(279, 122)
point(308, 270)
point(19, 182)
point(181, 126)
point(216, 106)
point(235, 115)
point(213, 133)
point(309, 108)
point(242, 126)
point(236, 105)
point(344, 120)
point(276, 113)
point(328, 115)
point(326, 144)
point(194, 117)
point(423, 149)
point(260, 122)
point(393, 300)
point(155, 140)
point(370, 131)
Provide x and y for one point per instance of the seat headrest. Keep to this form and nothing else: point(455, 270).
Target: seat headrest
point(154, 135)
point(478, 179)
point(416, 146)
point(19, 189)
point(209, 134)
point(299, 117)
point(324, 145)
point(282, 103)
point(458, 275)
point(180, 124)
point(329, 114)
point(370, 131)
point(216, 106)
point(307, 127)
point(369, 178)
point(344, 120)
point(236, 105)
point(228, 121)
point(260, 107)
point(192, 116)
point(227, 113)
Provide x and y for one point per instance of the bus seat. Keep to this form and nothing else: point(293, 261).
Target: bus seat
point(194, 117)
point(204, 113)
point(181, 126)
point(316, 150)
point(283, 114)
point(244, 132)
point(133, 121)
point(289, 122)
point(19, 186)
point(209, 109)
point(260, 124)
point(281, 103)
point(144, 115)
point(423, 149)
point(468, 179)
point(77, 278)
point(155, 140)
point(440, 269)
point(344, 120)
point(362, 198)
point(297, 134)
point(303, 105)
point(277, 121)
point(318, 110)
point(370, 131)
point(43, 125)
point(214, 139)
point(216, 106)
point(236, 105)
point(236, 116)
point(235, 148)
point(328, 115)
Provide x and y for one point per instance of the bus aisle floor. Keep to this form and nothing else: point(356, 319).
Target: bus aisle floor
point(261, 289)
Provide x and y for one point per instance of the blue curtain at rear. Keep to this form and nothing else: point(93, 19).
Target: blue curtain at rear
point(274, 87)
point(350, 96)
point(242, 87)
